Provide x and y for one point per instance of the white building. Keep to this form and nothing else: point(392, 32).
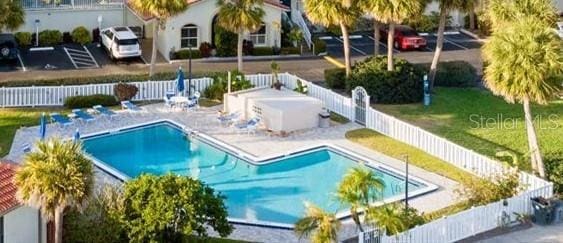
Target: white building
point(192, 27)
point(18, 224)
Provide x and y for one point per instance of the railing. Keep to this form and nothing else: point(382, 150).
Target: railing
point(298, 19)
point(448, 229)
point(71, 4)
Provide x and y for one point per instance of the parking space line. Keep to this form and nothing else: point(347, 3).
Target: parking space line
point(92, 57)
point(455, 44)
point(21, 63)
point(70, 57)
point(384, 45)
point(353, 48)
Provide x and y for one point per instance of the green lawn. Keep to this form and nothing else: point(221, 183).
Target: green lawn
point(393, 148)
point(12, 119)
point(476, 119)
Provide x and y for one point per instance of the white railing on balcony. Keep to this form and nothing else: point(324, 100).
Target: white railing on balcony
point(71, 4)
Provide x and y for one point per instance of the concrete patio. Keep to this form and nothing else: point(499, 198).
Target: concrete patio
point(261, 144)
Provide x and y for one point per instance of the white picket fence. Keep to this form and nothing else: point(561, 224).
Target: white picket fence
point(448, 229)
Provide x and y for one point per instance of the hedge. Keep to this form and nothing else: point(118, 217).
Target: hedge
point(23, 38)
point(81, 35)
point(89, 80)
point(185, 54)
point(401, 86)
point(335, 78)
point(454, 74)
point(263, 51)
point(89, 101)
point(319, 45)
point(50, 37)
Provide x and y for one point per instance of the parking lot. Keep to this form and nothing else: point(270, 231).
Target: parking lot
point(64, 57)
point(362, 44)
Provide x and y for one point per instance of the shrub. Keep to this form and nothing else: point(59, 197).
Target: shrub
point(23, 38)
point(319, 45)
point(263, 51)
point(481, 191)
point(50, 37)
point(454, 74)
point(89, 101)
point(185, 54)
point(205, 49)
point(554, 170)
point(98, 221)
point(401, 86)
point(89, 80)
point(428, 23)
point(290, 51)
point(335, 78)
point(81, 35)
point(125, 91)
point(247, 47)
point(225, 42)
point(220, 85)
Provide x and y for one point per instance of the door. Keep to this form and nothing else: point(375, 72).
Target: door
point(361, 101)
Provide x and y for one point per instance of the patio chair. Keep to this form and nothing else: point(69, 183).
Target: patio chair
point(130, 107)
point(249, 127)
point(26, 148)
point(63, 121)
point(167, 102)
point(105, 111)
point(83, 116)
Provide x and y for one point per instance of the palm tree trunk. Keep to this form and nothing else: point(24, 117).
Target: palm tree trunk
point(154, 40)
point(346, 41)
point(376, 36)
point(439, 47)
point(239, 51)
point(59, 224)
point(390, 40)
point(356, 218)
point(535, 155)
point(472, 19)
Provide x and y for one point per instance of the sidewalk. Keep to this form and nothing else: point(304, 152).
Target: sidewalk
point(543, 234)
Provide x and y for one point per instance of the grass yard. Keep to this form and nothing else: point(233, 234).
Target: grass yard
point(12, 119)
point(393, 148)
point(476, 119)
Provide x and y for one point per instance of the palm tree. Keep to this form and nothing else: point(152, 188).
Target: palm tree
point(240, 16)
point(388, 217)
point(446, 6)
point(504, 12)
point(359, 188)
point(12, 16)
point(53, 178)
point(160, 11)
point(329, 13)
point(393, 12)
point(524, 60)
point(321, 226)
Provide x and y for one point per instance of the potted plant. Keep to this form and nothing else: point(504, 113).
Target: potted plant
point(275, 70)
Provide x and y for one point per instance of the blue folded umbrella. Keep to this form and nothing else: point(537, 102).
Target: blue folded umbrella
point(42, 127)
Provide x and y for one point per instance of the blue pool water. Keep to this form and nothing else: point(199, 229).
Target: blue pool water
point(272, 192)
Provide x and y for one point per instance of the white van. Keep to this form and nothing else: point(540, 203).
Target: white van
point(120, 42)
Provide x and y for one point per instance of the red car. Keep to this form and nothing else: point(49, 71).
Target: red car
point(406, 38)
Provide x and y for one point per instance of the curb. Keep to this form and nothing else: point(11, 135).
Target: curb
point(473, 35)
point(334, 62)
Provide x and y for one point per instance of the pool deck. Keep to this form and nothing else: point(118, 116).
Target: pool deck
point(261, 144)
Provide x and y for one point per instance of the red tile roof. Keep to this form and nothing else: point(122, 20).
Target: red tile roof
point(147, 17)
point(7, 188)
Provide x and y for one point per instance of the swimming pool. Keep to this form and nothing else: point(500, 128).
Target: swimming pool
point(269, 192)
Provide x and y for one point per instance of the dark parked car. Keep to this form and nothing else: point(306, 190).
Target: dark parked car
point(406, 38)
point(8, 47)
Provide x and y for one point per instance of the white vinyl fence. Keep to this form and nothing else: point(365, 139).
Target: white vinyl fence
point(448, 229)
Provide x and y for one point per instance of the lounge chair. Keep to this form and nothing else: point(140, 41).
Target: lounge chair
point(249, 127)
point(26, 148)
point(130, 107)
point(104, 111)
point(83, 116)
point(167, 102)
point(227, 119)
point(63, 121)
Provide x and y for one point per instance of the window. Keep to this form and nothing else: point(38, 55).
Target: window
point(188, 37)
point(259, 37)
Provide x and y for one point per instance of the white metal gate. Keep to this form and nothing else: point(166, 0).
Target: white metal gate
point(361, 101)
